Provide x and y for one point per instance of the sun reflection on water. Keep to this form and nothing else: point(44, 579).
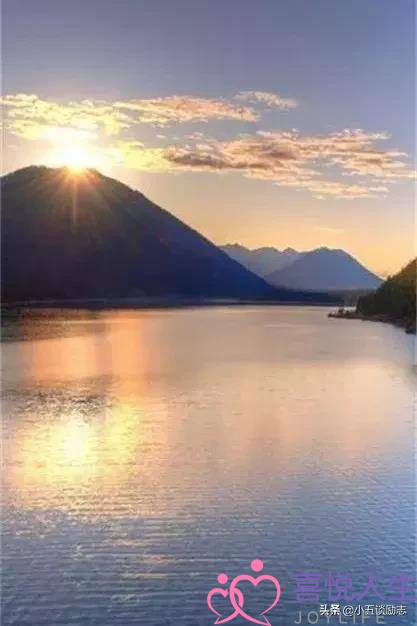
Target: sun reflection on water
point(68, 458)
point(131, 417)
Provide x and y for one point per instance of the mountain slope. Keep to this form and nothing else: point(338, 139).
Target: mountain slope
point(327, 270)
point(261, 261)
point(88, 236)
point(395, 299)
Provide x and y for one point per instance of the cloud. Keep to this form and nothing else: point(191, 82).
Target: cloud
point(388, 164)
point(28, 116)
point(268, 99)
point(293, 160)
point(346, 164)
point(321, 188)
point(135, 155)
point(179, 109)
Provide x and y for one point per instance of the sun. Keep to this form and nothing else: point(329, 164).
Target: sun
point(75, 157)
point(76, 149)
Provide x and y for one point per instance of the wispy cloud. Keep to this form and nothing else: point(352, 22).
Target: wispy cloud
point(178, 109)
point(29, 116)
point(294, 160)
point(135, 155)
point(267, 98)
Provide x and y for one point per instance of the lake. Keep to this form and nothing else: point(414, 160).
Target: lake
point(146, 451)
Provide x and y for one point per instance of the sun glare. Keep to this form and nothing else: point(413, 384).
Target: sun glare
point(76, 149)
point(76, 157)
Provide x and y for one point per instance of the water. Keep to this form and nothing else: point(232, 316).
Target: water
point(147, 451)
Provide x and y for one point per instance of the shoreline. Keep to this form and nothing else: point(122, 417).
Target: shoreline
point(144, 303)
point(380, 317)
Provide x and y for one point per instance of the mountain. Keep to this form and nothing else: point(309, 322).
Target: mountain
point(325, 270)
point(320, 270)
point(394, 300)
point(261, 261)
point(72, 236)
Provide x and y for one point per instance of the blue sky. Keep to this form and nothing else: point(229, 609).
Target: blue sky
point(326, 66)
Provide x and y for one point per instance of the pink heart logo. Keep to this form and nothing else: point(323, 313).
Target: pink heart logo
point(224, 594)
point(235, 591)
point(236, 595)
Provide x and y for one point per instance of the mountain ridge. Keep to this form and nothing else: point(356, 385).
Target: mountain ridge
point(327, 269)
point(87, 236)
point(262, 261)
point(323, 268)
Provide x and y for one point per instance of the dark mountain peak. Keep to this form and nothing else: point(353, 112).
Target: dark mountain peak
point(63, 175)
point(38, 171)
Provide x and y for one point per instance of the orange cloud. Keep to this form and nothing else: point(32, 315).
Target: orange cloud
point(178, 109)
point(293, 160)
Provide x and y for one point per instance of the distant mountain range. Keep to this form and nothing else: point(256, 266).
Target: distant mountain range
point(261, 261)
point(87, 236)
point(322, 269)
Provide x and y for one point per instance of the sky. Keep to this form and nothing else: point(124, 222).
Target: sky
point(267, 123)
